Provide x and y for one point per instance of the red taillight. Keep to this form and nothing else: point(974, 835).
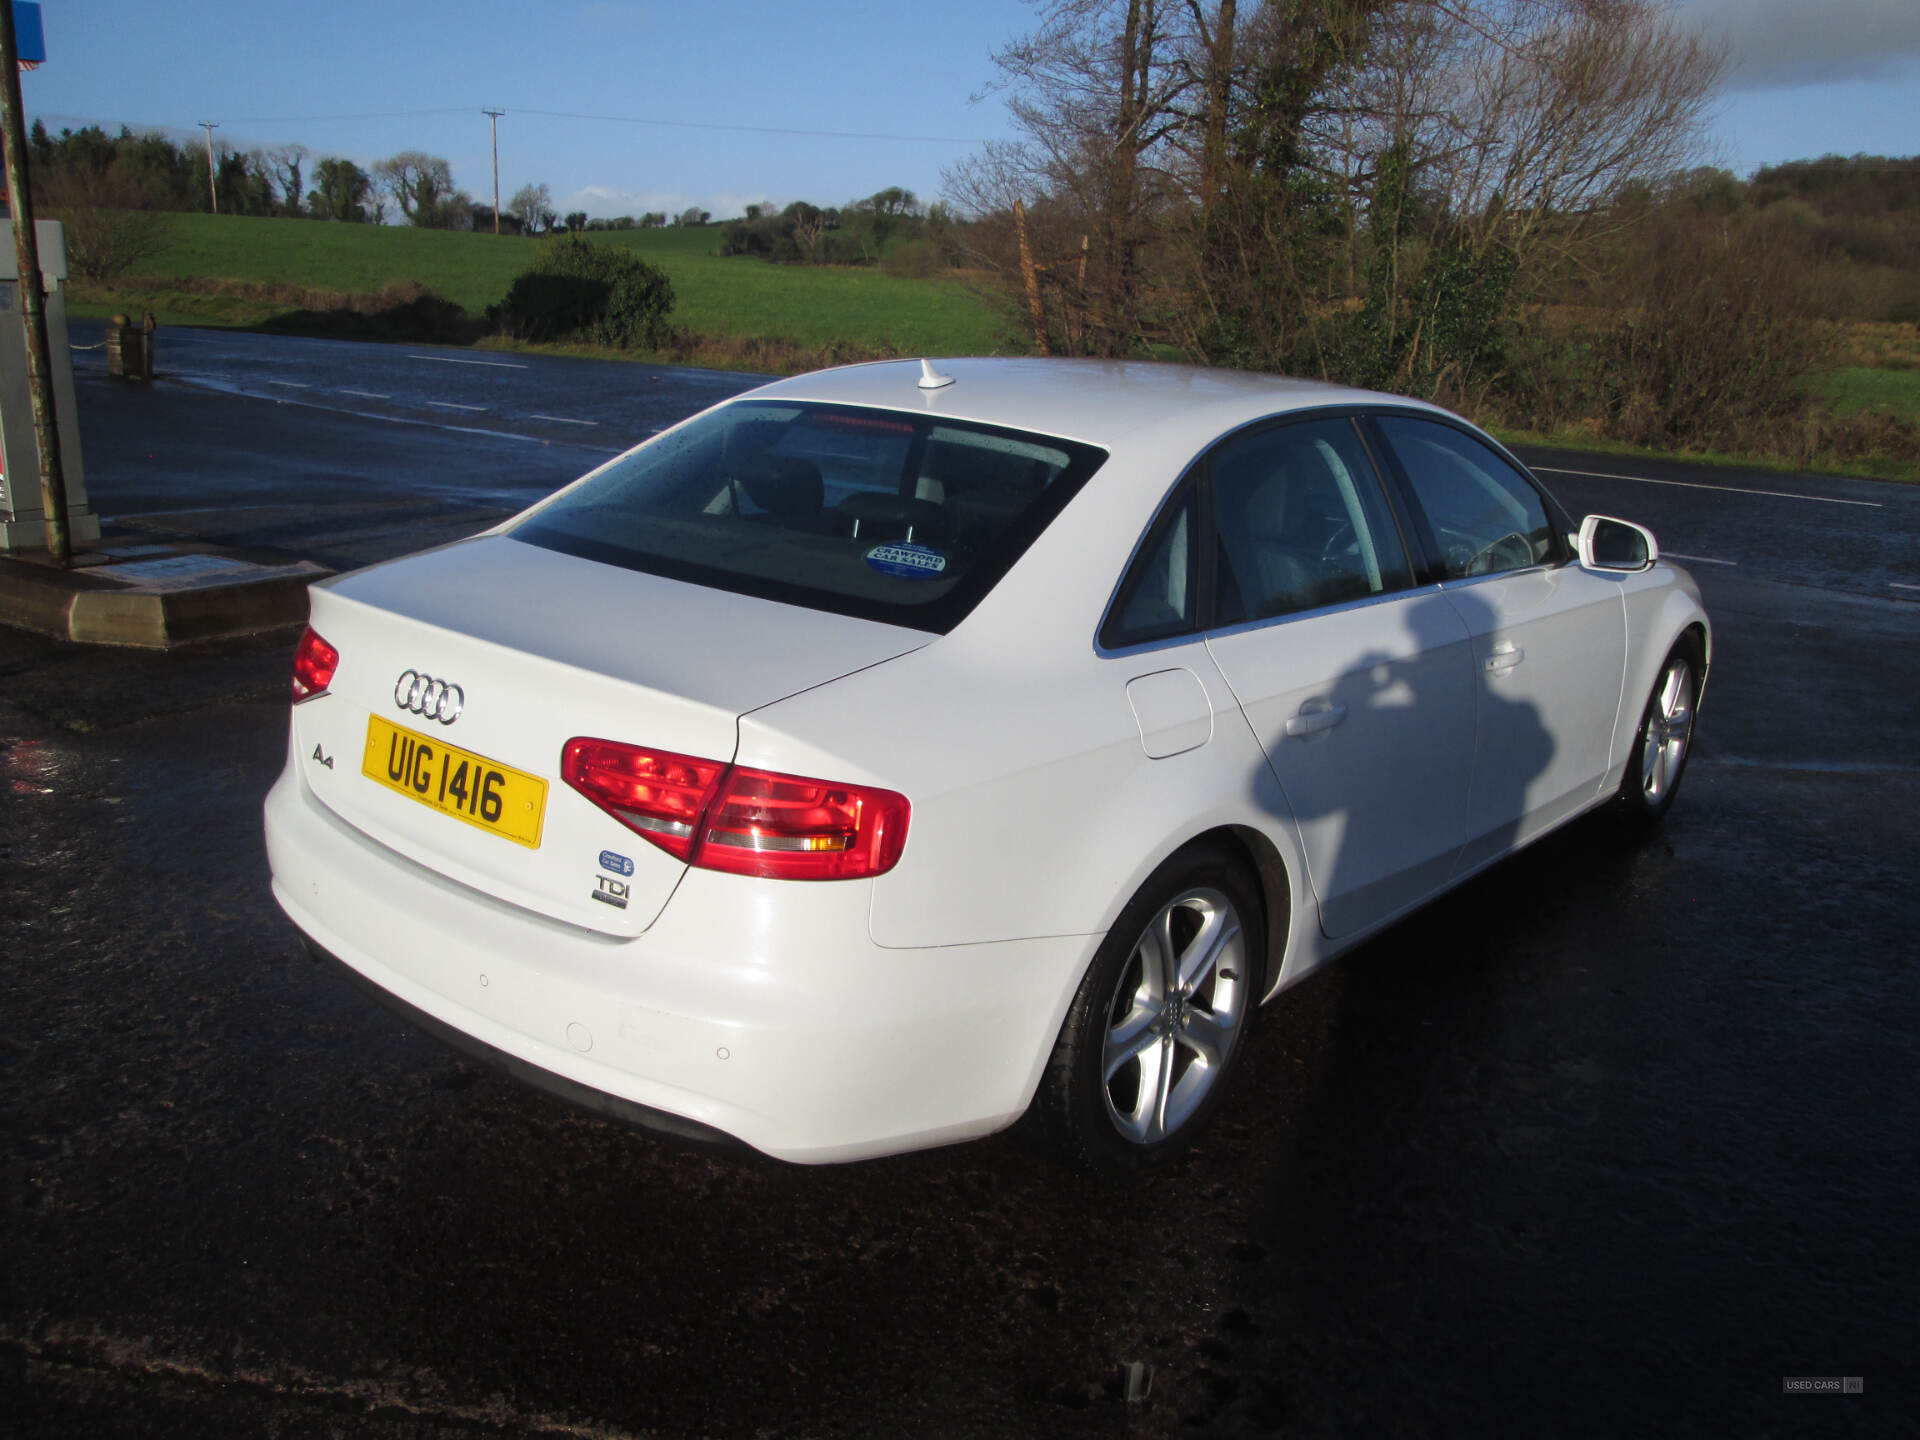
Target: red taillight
point(797, 829)
point(313, 666)
point(748, 822)
point(657, 793)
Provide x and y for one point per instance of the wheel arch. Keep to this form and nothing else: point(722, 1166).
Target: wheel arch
point(1701, 636)
point(1275, 884)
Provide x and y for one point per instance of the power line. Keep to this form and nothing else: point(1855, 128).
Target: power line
point(757, 129)
point(600, 119)
point(365, 115)
point(623, 120)
point(628, 120)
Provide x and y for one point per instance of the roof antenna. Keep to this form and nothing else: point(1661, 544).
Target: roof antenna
point(932, 379)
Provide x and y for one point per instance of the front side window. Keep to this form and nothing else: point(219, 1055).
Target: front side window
point(1302, 523)
point(1484, 516)
point(898, 517)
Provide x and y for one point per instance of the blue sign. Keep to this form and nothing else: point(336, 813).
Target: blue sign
point(907, 562)
point(28, 36)
point(618, 864)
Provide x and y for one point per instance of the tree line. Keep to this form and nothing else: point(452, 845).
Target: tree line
point(145, 171)
point(1492, 203)
point(890, 226)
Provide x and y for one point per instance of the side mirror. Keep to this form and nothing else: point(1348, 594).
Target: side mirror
point(1608, 544)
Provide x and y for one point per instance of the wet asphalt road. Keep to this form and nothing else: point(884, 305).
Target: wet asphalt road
point(1606, 1143)
point(345, 452)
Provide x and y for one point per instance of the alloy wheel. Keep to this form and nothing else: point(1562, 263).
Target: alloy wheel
point(1175, 1015)
point(1669, 731)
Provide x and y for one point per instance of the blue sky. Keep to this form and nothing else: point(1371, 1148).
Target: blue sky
point(1815, 76)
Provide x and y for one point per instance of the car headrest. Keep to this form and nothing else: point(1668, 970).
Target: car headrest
point(1253, 495)
point(880, 516)
point(783, 485)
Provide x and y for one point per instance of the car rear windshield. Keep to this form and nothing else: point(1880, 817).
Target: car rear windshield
point(899, 517)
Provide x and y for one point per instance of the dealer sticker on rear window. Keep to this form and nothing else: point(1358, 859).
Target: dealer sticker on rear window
point(907, 562)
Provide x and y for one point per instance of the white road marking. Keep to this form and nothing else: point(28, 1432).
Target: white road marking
point(291, 384)
point(226, 387)
point(562, 420)
point(365, 394)
point(1811, 767)
point(1695, 559)
point(1896, 585)
point(1695, 485)
point(454, 405)
point(530, 439)
point(452, 360)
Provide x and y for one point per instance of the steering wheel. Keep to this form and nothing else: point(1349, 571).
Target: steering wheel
point(1340, 541)
point(1511, 551)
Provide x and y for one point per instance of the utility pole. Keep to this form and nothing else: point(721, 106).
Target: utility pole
point(493, 119)
point(46, 432)
point(212, 194)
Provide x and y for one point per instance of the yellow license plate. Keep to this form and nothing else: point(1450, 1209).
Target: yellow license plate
point(456, 782)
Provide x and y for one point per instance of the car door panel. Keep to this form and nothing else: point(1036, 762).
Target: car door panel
point(1549, 638)
point(1358, 687)
point(1549, 647)
point(1379, 791)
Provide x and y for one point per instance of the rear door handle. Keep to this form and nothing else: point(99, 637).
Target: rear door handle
point(1504, 658)
point(1312, 722)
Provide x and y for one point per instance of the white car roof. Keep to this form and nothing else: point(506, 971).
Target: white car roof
point(1096, 401)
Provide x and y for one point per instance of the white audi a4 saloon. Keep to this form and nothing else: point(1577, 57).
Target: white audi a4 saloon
point(890, 753)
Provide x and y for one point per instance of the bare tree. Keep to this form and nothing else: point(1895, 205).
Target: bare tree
point(1544, 110)
point(809, 224)
point(107, 235)
point(421, 188)
point(1097, 91)
point(532, 206)
point(1223, 173)
point(286, 162)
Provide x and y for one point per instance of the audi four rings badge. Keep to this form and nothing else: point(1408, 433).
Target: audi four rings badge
point(428, 697)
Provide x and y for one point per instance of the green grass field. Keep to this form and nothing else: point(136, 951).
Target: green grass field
point(1851, 388)
point(809, 305)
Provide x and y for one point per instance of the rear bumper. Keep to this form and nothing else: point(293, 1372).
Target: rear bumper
point(754, 1010)
point(598, 1101)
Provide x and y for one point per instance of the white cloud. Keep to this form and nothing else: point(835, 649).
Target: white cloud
point(1798, 42)
point(606, 202)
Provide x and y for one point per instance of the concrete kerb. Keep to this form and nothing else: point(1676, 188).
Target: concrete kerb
point(153, 600)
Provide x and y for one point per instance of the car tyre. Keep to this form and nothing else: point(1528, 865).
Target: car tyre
point(1161, 1018)
point(1664, 740)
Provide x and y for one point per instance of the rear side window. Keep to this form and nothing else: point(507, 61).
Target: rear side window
point(899, 517)
point(1303, 522)
point(1161, 593)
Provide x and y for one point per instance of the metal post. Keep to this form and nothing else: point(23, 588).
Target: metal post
point(46, 433)
point(213, 195)
point(493, 119)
